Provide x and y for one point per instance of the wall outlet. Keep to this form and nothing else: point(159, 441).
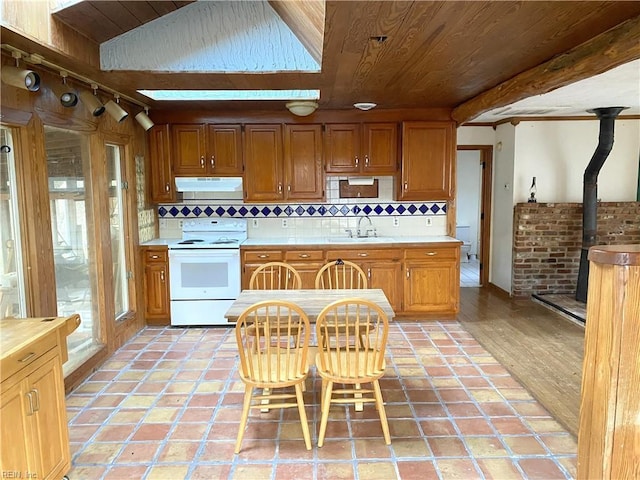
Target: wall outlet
point(396, 222)
point(285, 223)
point(254, 223)
point(429, 221)
point(163, 223)
point(180, 222)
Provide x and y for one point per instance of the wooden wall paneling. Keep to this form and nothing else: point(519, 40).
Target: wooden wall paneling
point(306, 21)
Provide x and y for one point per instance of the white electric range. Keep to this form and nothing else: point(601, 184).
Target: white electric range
point(204, 270)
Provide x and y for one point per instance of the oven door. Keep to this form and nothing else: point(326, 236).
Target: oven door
point(203, 274)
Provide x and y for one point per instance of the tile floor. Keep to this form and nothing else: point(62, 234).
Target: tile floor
point(470, 273)
point(167, 406)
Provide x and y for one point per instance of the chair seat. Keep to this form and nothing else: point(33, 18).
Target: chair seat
point(282, 370)
point(350, 367)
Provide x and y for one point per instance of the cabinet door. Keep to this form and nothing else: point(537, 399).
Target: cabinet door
point(380, 148)
point(427, 151)
point(162, 189)
point(303, 162)
point(15, 440)
point(431, 287)
point(342, 148)
point(156, 287)
point(263, 163)
point(51, 435)
point(224, 149)
point(387, 276)
point(188, 149)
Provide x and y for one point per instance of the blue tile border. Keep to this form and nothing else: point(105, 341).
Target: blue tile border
point(302, 210)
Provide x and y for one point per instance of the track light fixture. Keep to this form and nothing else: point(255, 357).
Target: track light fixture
point(91, 101)
point(19, 77)
point(115, 110)
point(67, 95)
point(144, 120)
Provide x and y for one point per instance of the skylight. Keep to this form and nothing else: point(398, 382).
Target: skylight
point(231, 94)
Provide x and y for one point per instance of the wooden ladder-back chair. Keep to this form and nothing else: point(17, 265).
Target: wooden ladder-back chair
point(273, 343)
point(341, 274)
point(342, 359)
point(275, 276)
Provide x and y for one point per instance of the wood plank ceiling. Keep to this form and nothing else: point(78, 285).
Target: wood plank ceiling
point(398, 54)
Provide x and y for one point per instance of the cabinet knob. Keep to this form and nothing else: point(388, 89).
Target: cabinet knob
point(36, 395)
point(405, 185)
point(167, 187)
point(366, 160)
point(357, 161)
point(30, 398)
point(162, 275)
point(304, 255)
point(363, 254)
point(27, 357)
point(407, 273)
point(264, 255)
point(279, 187)
point(155, 256)
point(288, 188)
point(369, 273)
point(202, 161)
point(431, 254)
point(213, 161)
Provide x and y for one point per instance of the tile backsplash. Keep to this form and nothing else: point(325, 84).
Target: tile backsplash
point(331, 218)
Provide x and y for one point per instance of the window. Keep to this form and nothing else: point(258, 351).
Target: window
point(117, 187)
point(70, 202)
point(12, 293)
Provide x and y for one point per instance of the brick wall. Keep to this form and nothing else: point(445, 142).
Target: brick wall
point(547, 240)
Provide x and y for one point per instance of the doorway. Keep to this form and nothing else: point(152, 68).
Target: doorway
point(473, 213)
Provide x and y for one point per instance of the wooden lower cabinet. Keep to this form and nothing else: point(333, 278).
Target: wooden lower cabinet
point(307, 263)
point(157, 304)
point(432, 280)
point(382, 267)
point(33, 418)
point(417, 281)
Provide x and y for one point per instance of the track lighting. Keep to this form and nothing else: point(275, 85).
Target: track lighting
point(91, 101)
point(67, 95)
point(115, 110)
point(19, 77)
point(144, 120)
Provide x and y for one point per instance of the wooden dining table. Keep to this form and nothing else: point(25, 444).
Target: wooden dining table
point(312, 301)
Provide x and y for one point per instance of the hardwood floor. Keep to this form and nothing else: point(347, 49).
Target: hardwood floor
point(542, 349)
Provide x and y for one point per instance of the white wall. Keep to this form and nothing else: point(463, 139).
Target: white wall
point(557, 153)
point(469, 189)
point(476, 135)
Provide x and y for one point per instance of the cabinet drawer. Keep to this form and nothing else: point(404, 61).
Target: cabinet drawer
point(27, 355)
point(156, 255)
point(263, 256)
point(304, 255)
point(364, 254)
point(435, 253)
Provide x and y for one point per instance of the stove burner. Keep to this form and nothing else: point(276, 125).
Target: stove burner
point(190, 242)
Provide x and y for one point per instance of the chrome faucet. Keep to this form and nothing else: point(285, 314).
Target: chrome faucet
point(371, 228)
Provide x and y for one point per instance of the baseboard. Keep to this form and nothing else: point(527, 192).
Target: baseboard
point(499, 291)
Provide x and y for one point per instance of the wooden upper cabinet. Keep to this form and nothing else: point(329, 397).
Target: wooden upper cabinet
point(162, 188)
point(361, 149)
point(201, 150)
point(304, 177)
point(188, 149)
point(224, 149)
point(263, 163)
point(427, 160)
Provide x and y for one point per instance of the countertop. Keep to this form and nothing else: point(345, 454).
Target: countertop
point(325, 241)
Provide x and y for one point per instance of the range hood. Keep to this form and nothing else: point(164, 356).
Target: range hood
point(209, 184)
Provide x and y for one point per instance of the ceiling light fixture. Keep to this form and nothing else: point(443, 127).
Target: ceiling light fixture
point(364, 106)
point(91, 101)
point(18, 77)
point(302, 108)
point(143, 119)
point(67, 95)
point(115, 110)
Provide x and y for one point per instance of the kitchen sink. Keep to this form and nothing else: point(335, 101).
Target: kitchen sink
point(359, 239)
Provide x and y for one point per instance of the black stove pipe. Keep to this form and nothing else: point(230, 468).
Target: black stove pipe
point(607, 118)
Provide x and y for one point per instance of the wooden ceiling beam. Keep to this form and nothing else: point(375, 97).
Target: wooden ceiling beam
point(610, 49)
point(306, 21)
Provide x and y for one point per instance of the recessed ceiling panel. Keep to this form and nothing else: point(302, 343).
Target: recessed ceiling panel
point(216, 37)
